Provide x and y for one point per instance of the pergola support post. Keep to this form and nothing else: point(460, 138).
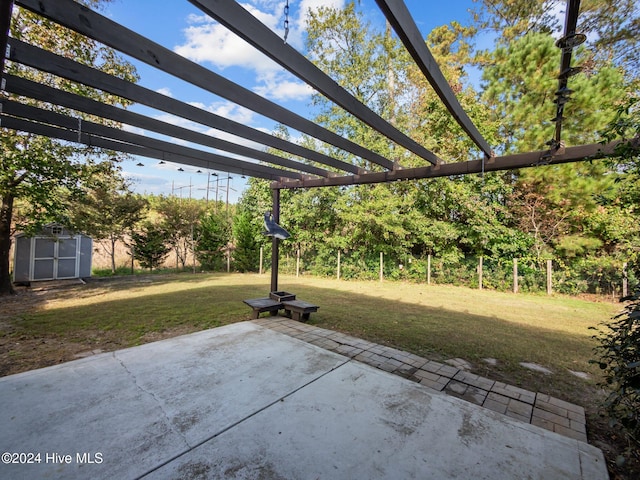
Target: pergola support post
point(275, 242)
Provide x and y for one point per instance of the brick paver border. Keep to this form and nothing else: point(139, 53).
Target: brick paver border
point(537, 409)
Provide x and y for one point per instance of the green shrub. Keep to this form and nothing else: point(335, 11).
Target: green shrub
point(619, 357)
point(212, 236)
point(150, 245)
point(246, 257)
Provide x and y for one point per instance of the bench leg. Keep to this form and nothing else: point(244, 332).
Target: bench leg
point(255, 314)
point(295, 315)
point(273, 313)
point(305, 316)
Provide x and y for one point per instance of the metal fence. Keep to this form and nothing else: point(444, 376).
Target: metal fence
point(613, 279)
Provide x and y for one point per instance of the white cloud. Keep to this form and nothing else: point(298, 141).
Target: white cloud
point(306, 5)
point(231, 111)
point(131, 129)
point(224, 109)
point(175, 120)
point(165, 91)
point(206, 41)
point(281, 86)
point(234, 139)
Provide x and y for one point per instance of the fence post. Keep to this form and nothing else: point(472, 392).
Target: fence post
point(625, 280)
point(480, 273)
point(298, 263)
point(429, 269)
point(338, 264)
point(549, 278)
point(261, 255)
point(381, 266)
point(515, 275)
point(193, 250)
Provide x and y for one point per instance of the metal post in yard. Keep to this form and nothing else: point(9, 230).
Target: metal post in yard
point(515, 275)
point(193, 250)
point(549, 278)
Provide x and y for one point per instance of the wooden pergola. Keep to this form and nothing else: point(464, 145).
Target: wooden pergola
point(306, 167)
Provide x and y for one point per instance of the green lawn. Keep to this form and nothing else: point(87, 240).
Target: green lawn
point(433, 321)
point(444, 322)
point(437, 322)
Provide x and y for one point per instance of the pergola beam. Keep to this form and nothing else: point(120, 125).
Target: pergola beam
point(78, 17)
point(91, 133)
point(237, 19)
point(63, 67)
point(28, 88)
point(405, 27)
point(508, 162)
point(6, 7)
point(35, 128)
point(81, 19)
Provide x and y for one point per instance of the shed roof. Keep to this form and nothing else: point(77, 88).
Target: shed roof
point(49, 230)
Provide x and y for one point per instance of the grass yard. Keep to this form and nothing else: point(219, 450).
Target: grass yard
point(41, 327)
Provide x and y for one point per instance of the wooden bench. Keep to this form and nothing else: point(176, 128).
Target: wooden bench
point(299, 310)
point(260, 305)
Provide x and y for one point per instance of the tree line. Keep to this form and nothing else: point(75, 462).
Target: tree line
point(583, 216)
point(151, 227)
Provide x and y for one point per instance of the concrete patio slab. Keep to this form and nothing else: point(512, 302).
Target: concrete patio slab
point(539, 409)
point(244, 401)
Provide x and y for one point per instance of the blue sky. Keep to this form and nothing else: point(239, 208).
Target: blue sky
point(179, 26)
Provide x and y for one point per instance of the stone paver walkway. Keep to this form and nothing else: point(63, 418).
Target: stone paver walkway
point(536, 408)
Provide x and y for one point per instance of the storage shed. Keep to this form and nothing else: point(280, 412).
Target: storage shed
point(55, 253)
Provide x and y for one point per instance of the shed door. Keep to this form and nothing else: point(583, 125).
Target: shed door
point(67, 258)
point(43, 257)
point(55, 259)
